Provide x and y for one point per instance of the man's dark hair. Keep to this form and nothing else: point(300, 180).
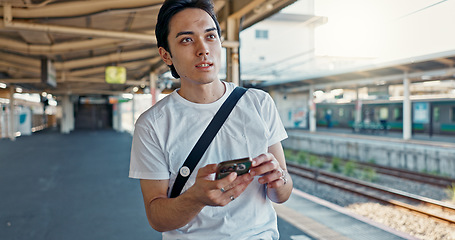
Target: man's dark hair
point(168, 10)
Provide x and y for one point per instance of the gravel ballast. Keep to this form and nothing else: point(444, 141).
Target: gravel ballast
point(403, 220)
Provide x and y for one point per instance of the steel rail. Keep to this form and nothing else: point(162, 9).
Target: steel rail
point(438, 181)
point(351, 185)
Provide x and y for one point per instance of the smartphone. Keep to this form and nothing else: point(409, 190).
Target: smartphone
point(241, 166)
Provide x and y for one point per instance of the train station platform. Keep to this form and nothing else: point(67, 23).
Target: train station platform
point(324, 220)
point(416, 137)
point(421, 153)
point(76, 186)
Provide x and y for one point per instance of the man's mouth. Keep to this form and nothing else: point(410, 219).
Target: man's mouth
point(204, 65)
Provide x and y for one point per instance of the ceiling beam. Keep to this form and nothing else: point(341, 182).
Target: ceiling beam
point(98, 70)
point(20, 60)
point(59, 48)
point(83, 8)
point(107, 59)
point(265, 11)
point(20, 25)
point(415, 76)
point(83, 91)
point(34, 65)
point(240, 11)
point(448, 62)
point(74, 46)
point(71, 80)
point(403, 68)
point(21, 67)
point(20, 80)
point(363, 74)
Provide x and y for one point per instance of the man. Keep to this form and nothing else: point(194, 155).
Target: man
point(235, 207)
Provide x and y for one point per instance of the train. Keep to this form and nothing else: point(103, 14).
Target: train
point(434, 116)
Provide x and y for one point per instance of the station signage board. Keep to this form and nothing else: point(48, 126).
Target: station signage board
point(381, 92)
point(115, 75)
point(48, 73)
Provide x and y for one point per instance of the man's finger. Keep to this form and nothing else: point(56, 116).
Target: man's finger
point(244, 179)
point(224, 182)
point(261, 159)
point(206, 170)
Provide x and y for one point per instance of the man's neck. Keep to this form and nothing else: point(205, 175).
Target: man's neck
point(202, 93)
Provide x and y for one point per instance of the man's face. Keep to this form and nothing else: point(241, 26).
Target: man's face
point(195, 46)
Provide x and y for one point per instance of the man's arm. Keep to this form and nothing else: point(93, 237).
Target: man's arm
point(273, 168)
point(166, 214)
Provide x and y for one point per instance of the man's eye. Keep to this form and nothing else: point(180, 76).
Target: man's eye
point(212, 36)
point(184, 40)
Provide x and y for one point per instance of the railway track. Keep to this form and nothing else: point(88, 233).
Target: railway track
point(373, 191)
point(438, 181)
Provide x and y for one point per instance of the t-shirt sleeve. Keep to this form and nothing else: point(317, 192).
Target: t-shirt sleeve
point(272, 119)
point(147, 159)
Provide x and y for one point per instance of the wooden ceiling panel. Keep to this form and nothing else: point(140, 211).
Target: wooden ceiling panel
point(82, 37)
point(35, 37)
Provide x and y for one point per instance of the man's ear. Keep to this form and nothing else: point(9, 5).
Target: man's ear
point(165, 55)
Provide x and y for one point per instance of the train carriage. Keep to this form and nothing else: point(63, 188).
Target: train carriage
point(435, 116)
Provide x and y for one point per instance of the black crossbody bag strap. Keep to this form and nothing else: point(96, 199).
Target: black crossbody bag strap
point(204, 141)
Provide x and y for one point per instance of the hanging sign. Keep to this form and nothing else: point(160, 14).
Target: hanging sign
point(115, 75)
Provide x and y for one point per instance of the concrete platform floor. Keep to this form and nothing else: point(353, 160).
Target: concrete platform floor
point(74, 187)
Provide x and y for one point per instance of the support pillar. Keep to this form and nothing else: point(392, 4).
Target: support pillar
point(12, 115)
point(232, 52)
point(67, 124)
point(3, 129)
point(133, 108)
point(312, 107)
point(407, 123)
point(120, 112)
point(358, 107)
point(153, 89)
point(115, 116)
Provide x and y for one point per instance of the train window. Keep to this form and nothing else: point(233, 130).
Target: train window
point(436, 114)
point(341, 112)
point(383, 113)
point(397, 113)
point(453, 114)
point(262, 34)
point(321, 113)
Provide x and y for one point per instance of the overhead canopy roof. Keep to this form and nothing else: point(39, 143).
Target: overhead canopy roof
point(83, 37)
point(436, 66)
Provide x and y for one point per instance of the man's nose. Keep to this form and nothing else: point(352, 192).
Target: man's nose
point(202, 49)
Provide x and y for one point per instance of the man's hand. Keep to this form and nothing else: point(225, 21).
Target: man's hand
point(270, 170)
point(209, 192)
point(271, 166)
point(165, 214)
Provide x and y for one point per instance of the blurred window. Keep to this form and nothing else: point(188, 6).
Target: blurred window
point(397, 114)
point(383, 113)
point(453, 114)
point(262, 34)
point(436, 114)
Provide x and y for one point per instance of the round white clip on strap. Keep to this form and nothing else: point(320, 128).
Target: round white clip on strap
point(185, 171)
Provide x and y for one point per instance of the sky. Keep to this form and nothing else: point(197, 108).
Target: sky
point(384, 29)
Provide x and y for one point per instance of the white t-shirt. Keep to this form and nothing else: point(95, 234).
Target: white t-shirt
point(166, 133)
